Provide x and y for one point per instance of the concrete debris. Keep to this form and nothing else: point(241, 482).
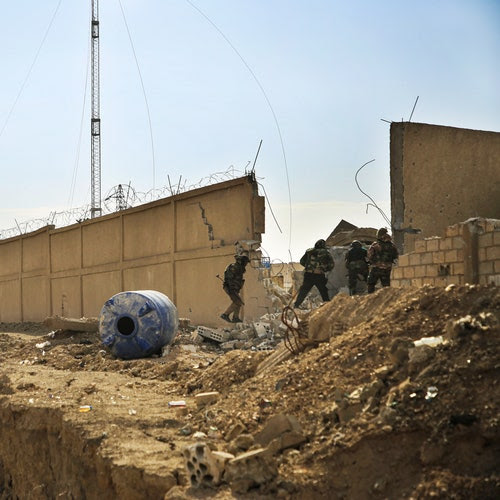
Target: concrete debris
point(213, 334)
point(204, 467)
point(72, 324)
point(276, 427)
point(206, 398)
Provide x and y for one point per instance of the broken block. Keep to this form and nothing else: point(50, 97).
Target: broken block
point(249, 470)
point(261, 329)
point(204, 467)
point(276, 426)
point(204, 398)
point(213, 334)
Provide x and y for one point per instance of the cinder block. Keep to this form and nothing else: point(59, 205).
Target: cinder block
point(453, 280)
point(404, 283)
point(396, 283)
point(426, 258)
point(403, 260)
point(416, 282)
point(432, 244)
point(428, 281)
point(481, 254)
point(457, 268)
point(438, 257)
point(204, 467)
point(458, 243)
point(211, 333)
point(486, 267)
point(431, 271)
point(460, 255)
point(205, 398)
point(419, 271)
point(408, 272)
point(492, 225)
point(414, 259)
point(485, 240)
point(496, 238)
point(483, 280)
point(453, 230)
point(496, 266)
point(397, 273)
point(451, 256)
point(420, 246)
point(445, 244)
point(493, 253)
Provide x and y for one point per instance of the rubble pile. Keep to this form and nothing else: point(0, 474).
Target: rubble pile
point(395, 396)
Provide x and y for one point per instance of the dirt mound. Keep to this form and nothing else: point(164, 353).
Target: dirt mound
point(385, 411)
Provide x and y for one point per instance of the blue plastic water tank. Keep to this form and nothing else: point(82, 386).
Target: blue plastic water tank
point(137, 324)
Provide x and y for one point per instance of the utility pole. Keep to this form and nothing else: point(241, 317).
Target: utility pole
point(95, 119)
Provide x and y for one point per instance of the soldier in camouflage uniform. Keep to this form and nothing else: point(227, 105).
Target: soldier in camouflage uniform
point(317, 261)
point(381, 255)
point(355, 261)
point(233, 282)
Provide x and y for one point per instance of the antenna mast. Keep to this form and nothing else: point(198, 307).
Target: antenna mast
point(95, 120)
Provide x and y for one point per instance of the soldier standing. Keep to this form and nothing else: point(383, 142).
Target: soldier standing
point(381, 255)
point(233, 282)
point(317, 261)
point(355, 261)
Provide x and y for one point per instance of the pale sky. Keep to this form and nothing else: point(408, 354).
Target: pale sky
point(330, 70)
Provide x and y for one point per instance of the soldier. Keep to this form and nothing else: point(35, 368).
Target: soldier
point(355, 261)
point(381, 255)
point(233, 282)
point(317, 261)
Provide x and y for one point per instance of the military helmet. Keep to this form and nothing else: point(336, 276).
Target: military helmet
point(356, 243)
point(243, 259)
point(320, 244)
point(381, 232)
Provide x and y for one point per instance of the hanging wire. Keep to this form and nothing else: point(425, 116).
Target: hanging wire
point(368, 196)
point(272, 112)
point(269, 205)
point(78, 148)
point(30, 69)
point(143, 91)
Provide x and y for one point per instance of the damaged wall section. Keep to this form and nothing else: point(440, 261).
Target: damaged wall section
point(440, 176)
point(167, 245)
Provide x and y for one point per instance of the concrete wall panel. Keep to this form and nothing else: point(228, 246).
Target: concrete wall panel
point(101, 242)
point(10, 258)
point(65, 250)
point(153, 277)
point(66, 297)
point(36, 298)
point(440, 176)
point(36, 252)
point(10, 293)
point(97, 288)
point(148, 232)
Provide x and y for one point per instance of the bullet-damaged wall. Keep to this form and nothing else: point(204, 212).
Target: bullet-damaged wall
point(440, 176)
point(176, 245)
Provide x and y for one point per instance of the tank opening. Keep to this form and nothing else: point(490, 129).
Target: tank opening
point(125, 325)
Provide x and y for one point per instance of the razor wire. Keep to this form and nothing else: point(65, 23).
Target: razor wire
point(130, 198)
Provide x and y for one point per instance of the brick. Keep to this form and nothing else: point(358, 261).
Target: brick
point(414, 259)
point(493, 253)
point(397, 273)
point(403, 260)
point(432, 245)
point(457, 268)
point(458, 243)
point(445, 244)
point(426, 258)
point(451, 256)
point(485, 240)
point(408, 272)
point(452, 280)
point(416, 282)
point(420, 246)
point(431, 270)
point(496, 238)
point(405, 283)
point(481, 253)
point(396, 283)
point(496, 266)
point(492, 225)
point(419, 271)
point(205, 398)
point(486, 268)
point(438, 257)
point(460, 255)
point(453, 230)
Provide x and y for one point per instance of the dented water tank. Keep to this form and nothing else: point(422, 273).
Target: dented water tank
point(137, 324)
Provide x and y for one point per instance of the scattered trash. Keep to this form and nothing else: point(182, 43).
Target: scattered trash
point(85, 408)
point(432, 392)
point(199, 435)
point(43, 345)
point(177, 404)
point(430, 341)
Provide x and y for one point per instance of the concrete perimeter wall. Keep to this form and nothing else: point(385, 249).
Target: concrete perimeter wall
point(468, 252)
point(176, 245)
point(441, 175)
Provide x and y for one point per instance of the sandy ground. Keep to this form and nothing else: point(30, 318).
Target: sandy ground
point(379, 416)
